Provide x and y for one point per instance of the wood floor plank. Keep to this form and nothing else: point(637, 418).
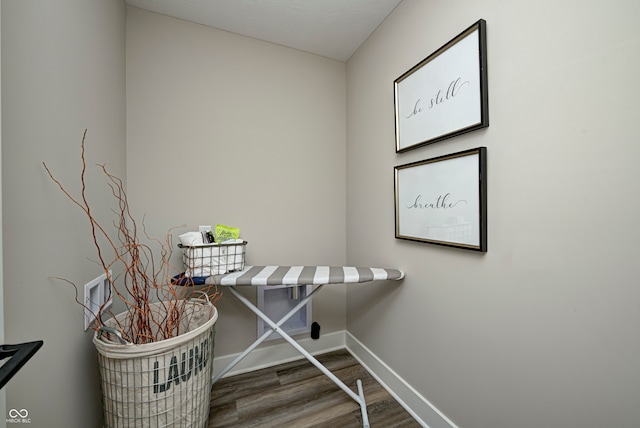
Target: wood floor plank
point(237, 387)
point(225, 415)
point(347, 420)
point(309, 413)
point(301, 393)
point(298, 394)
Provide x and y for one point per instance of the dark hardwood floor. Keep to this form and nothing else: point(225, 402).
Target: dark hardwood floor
point(297, 394)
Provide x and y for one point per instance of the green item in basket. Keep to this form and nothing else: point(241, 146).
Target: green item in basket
point(224, 233)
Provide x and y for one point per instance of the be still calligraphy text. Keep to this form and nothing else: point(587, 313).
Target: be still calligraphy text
point(442, 96)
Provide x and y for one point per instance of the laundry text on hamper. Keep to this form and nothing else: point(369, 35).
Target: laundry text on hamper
point(198, 357)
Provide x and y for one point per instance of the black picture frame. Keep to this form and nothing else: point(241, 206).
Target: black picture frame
point(445, 94)
point(443, 200)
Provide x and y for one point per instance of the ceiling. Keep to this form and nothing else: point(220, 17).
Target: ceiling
point(331, 28)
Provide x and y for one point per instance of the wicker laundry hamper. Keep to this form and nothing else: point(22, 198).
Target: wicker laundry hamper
point(160, 384)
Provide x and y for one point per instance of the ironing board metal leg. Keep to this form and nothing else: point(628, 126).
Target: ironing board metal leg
point(275, 327)
point(239, 358)
point(358, 398)
point(363, 405)
point(266, 333)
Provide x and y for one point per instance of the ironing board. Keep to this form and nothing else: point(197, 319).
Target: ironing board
point(295, 276)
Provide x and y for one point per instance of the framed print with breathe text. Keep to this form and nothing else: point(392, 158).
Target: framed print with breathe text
point(446, 94)
point(443, 200)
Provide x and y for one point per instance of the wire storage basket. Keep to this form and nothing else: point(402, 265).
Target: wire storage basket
point(213, 259)
point(160, 384)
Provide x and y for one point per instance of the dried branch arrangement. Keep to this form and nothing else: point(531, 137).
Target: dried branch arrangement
point(145, 280)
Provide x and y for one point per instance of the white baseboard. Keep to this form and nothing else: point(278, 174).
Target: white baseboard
point(280, 353)
point(419, 407)
point(422, 411)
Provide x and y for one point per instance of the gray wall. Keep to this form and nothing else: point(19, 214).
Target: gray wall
point(227, 129)
point(63, 71)
point(542, 331)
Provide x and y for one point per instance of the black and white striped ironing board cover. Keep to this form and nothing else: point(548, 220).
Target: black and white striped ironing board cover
point(295, 276)
point(306, 275)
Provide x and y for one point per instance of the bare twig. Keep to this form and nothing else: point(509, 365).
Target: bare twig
point(146, 280)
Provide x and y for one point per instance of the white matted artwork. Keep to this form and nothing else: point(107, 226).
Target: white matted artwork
point(445, 94)
point(443, 200)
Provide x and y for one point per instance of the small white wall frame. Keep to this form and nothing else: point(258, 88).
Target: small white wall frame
point(276, 300)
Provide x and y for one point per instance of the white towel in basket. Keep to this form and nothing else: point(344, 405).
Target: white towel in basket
point(213, 259)
point(191, 238)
